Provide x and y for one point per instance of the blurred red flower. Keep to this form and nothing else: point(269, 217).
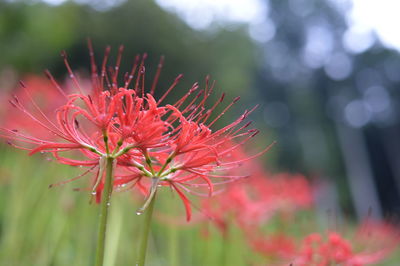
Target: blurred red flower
point(371, 244)
point(252, 202)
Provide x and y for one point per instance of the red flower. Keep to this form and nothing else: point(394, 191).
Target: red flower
point(255, 200)
point(152, 144)
point(372, 243)
point(276, 245)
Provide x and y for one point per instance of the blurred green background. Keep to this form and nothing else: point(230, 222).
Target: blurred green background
point(327, 93)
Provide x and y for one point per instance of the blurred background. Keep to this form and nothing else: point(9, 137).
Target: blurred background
point(325, 73)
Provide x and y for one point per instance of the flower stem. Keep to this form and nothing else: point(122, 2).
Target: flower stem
point(145, 233)
point(105, 204)
point(173, 246)
point(225, 246)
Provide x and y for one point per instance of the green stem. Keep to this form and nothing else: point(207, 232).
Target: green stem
point(145, 233)
point(105, 204)
point(225, 246)
point(206, 245)
point(173, 246)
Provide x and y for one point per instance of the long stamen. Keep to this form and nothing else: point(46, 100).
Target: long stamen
point(54, 82)
point(104, 64)
point(71, 73)
point(133, 71)
point(117, 65)
point(176, 81)
point(72, 179)
point(140, 72)
point(157, 76)
point(93, 65)
point(223, 112)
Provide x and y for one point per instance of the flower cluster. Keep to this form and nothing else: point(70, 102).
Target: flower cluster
point(254, 201)
point(372, 243)
point(152, 144)
point(264, 201)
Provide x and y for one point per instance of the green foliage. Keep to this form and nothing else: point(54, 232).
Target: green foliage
point(33, 34)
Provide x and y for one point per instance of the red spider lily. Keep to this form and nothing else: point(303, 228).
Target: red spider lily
point(252, 202)
point(278, 245)
point(152, 145)
point(372, 243)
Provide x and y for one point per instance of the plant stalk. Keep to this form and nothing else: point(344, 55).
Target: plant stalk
point(145, 232)
point(173, 246)
point(104, 207)
point(226, 237)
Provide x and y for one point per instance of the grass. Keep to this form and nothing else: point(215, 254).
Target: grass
point(58, 226)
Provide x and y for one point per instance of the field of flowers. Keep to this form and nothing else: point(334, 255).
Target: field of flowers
point(117, 172)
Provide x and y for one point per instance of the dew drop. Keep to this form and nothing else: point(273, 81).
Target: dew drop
point(94, 193)
point(42, 152)
point(139, 212)
point(108, 203)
